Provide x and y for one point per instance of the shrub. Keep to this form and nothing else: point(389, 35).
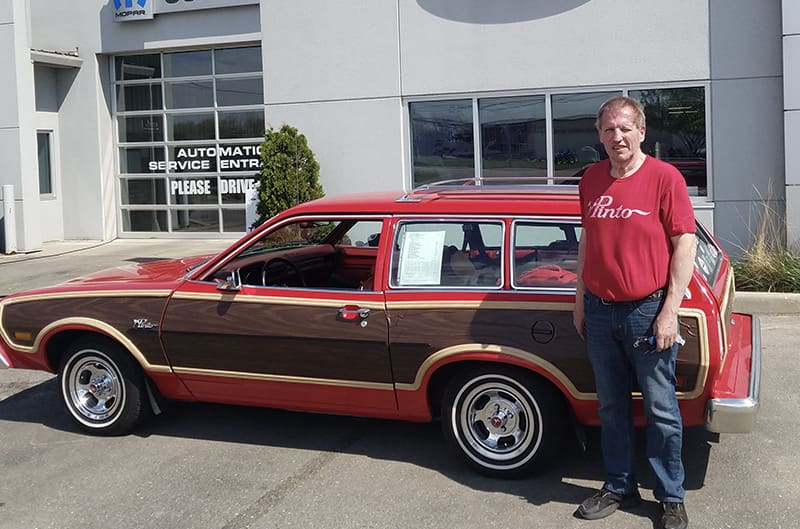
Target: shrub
point(289, 174)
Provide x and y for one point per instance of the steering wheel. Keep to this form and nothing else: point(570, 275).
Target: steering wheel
point(283, 269)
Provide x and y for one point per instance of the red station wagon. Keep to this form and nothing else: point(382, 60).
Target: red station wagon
point(447, 302)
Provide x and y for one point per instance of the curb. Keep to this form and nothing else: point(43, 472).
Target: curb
point(767, 302)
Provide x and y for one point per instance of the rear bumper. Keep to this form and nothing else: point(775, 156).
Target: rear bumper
point(731, 414)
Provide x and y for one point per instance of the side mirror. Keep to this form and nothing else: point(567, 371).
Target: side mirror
point(232, 283)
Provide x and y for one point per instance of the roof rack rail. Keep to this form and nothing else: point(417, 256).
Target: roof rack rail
point(499, 185)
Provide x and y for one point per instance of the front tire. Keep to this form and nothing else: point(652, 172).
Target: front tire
point(503, 421)
point(102, 387)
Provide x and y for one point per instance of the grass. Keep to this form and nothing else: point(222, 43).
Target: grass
point(768, 266)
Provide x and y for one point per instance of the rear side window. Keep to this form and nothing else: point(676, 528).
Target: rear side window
point(708, 259)
point(447, 253)
point(545, 255)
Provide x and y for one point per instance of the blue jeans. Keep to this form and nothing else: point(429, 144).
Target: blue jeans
point(612, 329)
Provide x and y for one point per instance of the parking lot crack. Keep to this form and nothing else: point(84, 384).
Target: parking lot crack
point(273, 497)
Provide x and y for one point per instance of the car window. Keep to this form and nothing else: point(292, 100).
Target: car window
point(435, 254)
point(312, 254)
point(545, 255)
point(708, 258)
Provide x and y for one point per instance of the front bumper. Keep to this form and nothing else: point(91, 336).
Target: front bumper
point(731, 414)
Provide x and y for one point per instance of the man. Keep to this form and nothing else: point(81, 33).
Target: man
point(635, 260)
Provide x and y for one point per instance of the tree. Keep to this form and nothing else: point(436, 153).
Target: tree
point(289, 173)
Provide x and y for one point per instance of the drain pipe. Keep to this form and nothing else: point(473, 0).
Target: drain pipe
point(9, 220)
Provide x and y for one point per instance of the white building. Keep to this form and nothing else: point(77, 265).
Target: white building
point(142, 118)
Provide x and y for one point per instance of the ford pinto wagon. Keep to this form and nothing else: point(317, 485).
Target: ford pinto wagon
point(446, 302)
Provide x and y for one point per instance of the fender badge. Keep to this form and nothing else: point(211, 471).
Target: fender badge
point(143, 324)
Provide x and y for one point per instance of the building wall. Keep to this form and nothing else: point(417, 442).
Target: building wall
point(342, 72)
point(17, 135)
point(791, 114)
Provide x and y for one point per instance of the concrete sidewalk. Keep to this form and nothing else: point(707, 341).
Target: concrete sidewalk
point(62, 260)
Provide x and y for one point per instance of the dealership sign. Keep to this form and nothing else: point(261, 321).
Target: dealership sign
point(128, 10)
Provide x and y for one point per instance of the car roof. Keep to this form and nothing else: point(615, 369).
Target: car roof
point(511, 199)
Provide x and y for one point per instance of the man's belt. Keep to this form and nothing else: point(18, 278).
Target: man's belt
point(652, 296)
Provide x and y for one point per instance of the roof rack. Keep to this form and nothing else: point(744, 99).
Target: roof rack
point(502, 185)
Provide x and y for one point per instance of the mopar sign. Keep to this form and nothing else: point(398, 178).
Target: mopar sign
point(125, 10)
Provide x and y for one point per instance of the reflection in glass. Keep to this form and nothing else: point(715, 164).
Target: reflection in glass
point(141, 159)
point(141, 128)
point(676, 131)
point(238, 60)
point(137, 67)
point(442, 140)
point(575, 140)
point(195, 220)
point(190, 126)
point(144, 220)
point(513, 136)
point(139, 97)
point(231, 92)
point(189, 94)
point(184, 191)
point(241, 124)
point(187, 63)
point(143, 191)
point(233, 220)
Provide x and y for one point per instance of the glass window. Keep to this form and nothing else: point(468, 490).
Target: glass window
point(241, 124)
point(192, 159)
point(513, 136)
point(187, 63)
point(234, 190)
point(141, 128)
point(142, 160)
point(447, 254)
point(187, 191)
point(545, 255)
point(144, 220)
point(240, 157)
point(190, 126)
point(143, 191)
point(575, 140)
point(139, 97)
point(676, 131)
point(138, 67)
point(238, 60)
point(233, 220)
point(232, 92)
point(195, 220)
point(442, 140)
point(189, 94)
point(44, 148)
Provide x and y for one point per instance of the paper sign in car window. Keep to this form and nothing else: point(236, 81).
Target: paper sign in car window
point(421, 258)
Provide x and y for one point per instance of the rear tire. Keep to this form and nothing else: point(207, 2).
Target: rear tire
point(102, 387)
point(503, 421)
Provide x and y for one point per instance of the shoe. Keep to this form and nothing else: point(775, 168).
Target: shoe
point(604, 502)
point(674, 516)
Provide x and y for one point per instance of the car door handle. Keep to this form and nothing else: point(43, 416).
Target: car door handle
point(353, 313)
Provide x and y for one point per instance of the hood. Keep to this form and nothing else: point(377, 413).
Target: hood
point(166, 270)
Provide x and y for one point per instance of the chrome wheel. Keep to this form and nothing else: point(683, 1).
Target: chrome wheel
point(503, 421)
point(498, 420)
point(102, 386)
point(95, 389)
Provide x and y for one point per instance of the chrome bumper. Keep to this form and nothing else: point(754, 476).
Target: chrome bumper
point(739, 415)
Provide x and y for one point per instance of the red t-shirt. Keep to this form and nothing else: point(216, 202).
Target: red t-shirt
point(627, 226)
